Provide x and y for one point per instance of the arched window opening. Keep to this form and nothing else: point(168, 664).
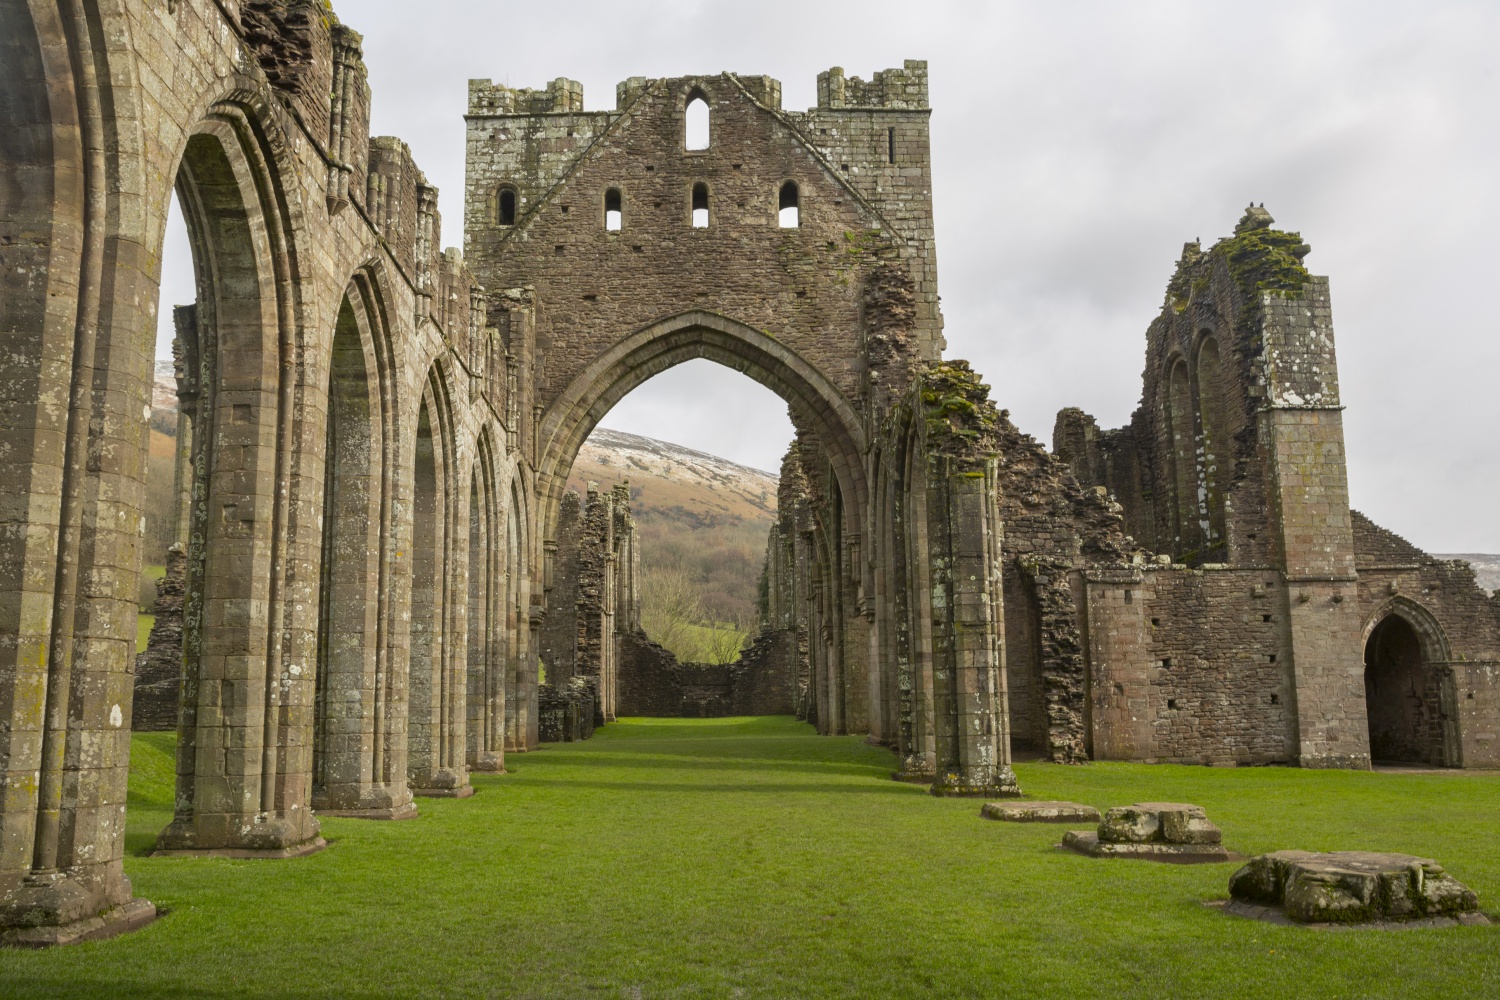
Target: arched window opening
point(787, 208)
point(612, 215)
point(697, 121)
point(1184, 463)
point(1411, 705)
point(700, 205)
point(1215, 446)
point(505, 207)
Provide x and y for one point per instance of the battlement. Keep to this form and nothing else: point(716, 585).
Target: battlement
point(561, 95)
point(891, 88)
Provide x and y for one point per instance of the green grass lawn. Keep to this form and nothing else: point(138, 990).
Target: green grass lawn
point(143, 623)
point(752, 858)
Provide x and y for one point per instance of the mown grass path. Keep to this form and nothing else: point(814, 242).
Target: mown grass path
point(752, 858)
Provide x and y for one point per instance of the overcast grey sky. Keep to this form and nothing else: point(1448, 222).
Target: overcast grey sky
point(1075, 147)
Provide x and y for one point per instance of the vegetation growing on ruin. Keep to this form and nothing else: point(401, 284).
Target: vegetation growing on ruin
point(1262, 260)
point(751, 858)
point(959, 414)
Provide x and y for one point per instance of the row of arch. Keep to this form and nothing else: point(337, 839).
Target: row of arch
point(367, 613)
point(454, 693)
point(788, 206)
point(1198, 455)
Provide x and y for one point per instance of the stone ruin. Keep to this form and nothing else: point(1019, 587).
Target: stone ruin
point(1351, 888)
point(1156, 831)
point(375, 436)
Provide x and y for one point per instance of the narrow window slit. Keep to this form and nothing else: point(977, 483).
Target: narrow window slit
point(612, 214)
point(788, 211)
point(700, 205)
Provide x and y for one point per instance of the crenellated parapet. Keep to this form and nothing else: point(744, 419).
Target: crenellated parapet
point(888, 88)
point(559, 96)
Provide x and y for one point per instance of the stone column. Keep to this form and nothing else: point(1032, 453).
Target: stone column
point(970, 710)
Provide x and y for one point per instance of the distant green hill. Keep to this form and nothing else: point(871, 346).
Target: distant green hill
point(702, 520)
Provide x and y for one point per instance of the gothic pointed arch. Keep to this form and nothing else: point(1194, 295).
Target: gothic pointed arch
point(611, 375)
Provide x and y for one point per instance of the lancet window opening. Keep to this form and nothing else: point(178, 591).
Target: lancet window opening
point(788, 207)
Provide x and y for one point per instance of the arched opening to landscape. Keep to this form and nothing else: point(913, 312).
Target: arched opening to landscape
point(237, 395)
point(1409, 699)
point(688, 579)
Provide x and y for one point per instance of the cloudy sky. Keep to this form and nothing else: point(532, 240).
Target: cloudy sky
point(1075, 147)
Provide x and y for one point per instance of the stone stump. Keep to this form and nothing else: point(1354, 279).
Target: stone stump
point(1158, 831)
point(1350, 888)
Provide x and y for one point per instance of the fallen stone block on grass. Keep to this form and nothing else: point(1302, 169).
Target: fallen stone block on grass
point(1351, 887)
point(1159, 831)
point(1040, 812)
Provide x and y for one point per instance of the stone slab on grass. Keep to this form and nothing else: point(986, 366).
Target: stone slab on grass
point(1040, 812)
point(1088, 843)
point(1352, 887)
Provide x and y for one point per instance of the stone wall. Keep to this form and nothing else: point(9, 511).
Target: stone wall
point(1249, 636)
point(654, 683)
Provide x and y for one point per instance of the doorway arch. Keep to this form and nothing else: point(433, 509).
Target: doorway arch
point(1410, 694)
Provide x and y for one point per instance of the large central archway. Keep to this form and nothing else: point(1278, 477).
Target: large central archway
point(652, 350)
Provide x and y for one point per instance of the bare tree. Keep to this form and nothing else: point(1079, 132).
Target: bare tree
point(670, 609)
point(724, 639)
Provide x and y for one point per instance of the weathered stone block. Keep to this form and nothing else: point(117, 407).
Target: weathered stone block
point(1347, 887)
point(1129, 825)
point(1168, 831)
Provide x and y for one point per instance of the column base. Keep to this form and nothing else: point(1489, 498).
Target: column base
point(1000, 785)
point(489, 762)
point(461, 792)
point(135, 914)
point(219, 835)
point(294, 851)
point(914, 777)
point(408, 811)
